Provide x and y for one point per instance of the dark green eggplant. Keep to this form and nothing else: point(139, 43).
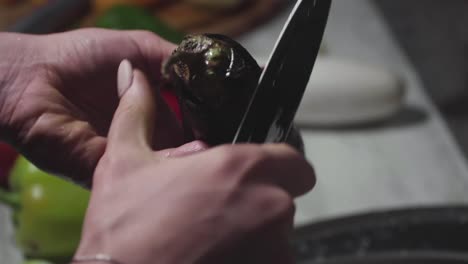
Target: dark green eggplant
point(214, 78)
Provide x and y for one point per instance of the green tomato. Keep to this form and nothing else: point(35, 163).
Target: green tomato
point(50, 213)
point(32, 261)
point(22, 172)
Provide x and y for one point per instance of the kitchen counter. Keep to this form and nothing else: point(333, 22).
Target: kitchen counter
point(411, 160)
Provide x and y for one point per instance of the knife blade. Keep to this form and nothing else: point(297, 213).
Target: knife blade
point(271, 111)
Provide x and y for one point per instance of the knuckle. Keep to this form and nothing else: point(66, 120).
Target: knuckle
point(224, 153)
point(277, 203)
point(258, 159)
point(81, 129)
point(291, 158)
point(253, 156)
point(228, 157)
point(236, 161)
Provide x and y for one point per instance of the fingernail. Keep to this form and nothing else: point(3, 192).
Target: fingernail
point(188, 149)
point(124, 77)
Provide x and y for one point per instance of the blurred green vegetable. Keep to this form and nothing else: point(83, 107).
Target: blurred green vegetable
point(36, 262)
point(128, 17)
point(48, 212)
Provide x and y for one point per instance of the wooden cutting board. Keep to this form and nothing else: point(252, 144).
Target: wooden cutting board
point(179, 15)
point(189, 19)
point(185, 18)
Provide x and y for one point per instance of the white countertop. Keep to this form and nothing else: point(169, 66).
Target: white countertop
point(402, 164)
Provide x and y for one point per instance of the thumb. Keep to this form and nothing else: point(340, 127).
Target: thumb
point(133, 123)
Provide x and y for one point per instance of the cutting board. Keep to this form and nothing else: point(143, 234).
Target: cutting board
point(192, 20)
point(189, 19)
point(178, 14)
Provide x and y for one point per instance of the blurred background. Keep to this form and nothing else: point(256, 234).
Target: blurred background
point(384, 121)
point(433, 36)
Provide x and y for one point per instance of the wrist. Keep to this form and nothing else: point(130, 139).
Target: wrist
point(103, 258)
point(124, 250)
point(91, 251)
point(92, 243)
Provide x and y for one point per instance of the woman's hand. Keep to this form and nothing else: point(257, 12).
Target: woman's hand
point(229, 204)
point(57, 94)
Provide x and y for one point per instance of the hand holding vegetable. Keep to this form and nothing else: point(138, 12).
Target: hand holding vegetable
point(229, 204)
point(215, 79)
point(57, 94)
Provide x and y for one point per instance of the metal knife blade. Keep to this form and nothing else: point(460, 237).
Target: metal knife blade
point(278, 94)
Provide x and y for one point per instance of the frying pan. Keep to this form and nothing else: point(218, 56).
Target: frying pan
point(413, 235)
point(398, 258)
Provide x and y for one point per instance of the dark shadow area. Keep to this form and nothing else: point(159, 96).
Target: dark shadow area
point(408, 116)
point(434, 36)
point(458, 108)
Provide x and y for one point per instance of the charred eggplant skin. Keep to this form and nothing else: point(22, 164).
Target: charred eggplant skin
point(214, 78)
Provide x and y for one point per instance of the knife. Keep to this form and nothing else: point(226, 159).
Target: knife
point(270, 114)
